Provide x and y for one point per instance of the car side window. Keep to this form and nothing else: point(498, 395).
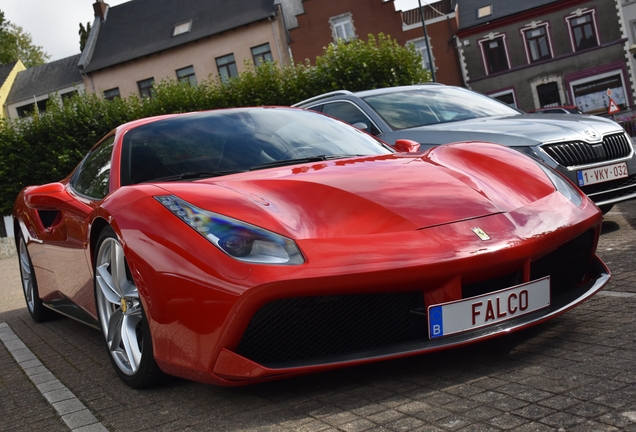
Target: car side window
point(92, 178)
point(351, 114)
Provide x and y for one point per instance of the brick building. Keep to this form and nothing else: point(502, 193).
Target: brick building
point(542, 53)
point(324, 22)
point(441, 25)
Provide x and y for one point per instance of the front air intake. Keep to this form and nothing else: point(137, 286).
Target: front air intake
point(303, 328)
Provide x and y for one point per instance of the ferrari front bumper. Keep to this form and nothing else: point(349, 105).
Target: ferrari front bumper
point(234, 367)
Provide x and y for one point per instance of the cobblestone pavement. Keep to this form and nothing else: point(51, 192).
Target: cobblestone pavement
point(574, 373)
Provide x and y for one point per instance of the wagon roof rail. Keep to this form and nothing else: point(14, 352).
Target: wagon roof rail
point(324, 96)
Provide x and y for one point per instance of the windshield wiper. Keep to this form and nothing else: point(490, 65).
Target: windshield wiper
point(195, 175)
point(286, 162)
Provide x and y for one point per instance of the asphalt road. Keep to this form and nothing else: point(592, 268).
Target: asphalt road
point(575, 373)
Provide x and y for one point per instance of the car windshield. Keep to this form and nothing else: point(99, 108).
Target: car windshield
point(427, 106)
point(228, 141)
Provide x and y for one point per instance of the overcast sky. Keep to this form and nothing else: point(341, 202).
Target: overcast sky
point(54, 24)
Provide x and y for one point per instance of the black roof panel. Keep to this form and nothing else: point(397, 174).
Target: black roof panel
point(45, 79)
point(142, 27)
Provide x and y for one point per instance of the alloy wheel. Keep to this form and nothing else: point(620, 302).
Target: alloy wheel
point(26, 273)
point(118, 307)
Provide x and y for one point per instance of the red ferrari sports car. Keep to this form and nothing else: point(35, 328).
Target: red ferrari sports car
point(244, 245)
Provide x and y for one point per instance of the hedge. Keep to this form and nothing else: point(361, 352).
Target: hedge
point(45, 148)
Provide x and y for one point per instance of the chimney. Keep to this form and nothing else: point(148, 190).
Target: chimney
point(100, 9)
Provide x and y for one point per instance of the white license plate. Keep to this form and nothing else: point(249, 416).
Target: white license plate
point(602, 174)
point(464, 315)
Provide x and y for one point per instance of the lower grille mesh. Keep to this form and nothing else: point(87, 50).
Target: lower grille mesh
point(491, 285)
point(309, 327)
point(567, 265)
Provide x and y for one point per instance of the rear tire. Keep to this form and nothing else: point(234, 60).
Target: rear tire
point(37, 310)
point(606, 208)
point(121, 316)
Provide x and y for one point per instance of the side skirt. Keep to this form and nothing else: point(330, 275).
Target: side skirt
point(71, 310)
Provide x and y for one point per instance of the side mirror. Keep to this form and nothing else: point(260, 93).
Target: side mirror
point(46, 197)
point(361, 125)
point(406, 146)
point(53, 196)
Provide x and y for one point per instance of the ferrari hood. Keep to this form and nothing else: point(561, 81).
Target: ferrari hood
point(351, 196)
point(519, 130)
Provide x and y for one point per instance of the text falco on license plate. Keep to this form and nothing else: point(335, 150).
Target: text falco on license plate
point(463, 315)
point(602, 174)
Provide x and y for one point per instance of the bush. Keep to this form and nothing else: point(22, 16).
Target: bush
point(45, 148)
point(359, 65)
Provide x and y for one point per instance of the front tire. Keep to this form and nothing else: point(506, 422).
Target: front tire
point(37, 310)
point(121, 315)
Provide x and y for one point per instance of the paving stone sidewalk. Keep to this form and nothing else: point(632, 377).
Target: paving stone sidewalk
point(575, 373)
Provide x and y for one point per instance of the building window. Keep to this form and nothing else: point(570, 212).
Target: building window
point(29, 109)
point(538, 44)
point(25, 110)
point(342, 27)
point(590, 94)
point(420, 46)
point(182, 28)
point(111, 94)
point(145, 87)
point(227, 67)
point(549, 95)
point(484, 11)
point(495, 54)
point(582, 31)
point(261, 54)
point(68, 95)
point(187, 75)
point(506, 96)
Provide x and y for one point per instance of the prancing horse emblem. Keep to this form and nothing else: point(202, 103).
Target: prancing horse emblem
point(480, 233)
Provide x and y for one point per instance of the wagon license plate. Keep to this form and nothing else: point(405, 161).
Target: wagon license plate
point(463, 315)
point(602, 174)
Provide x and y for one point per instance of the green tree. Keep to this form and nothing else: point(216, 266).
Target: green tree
point(17, 44)
point(376, 63)
point(31, 55)
point(83, 34)
point(7, 41)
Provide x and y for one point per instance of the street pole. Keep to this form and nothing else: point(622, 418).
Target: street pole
point(428, 47)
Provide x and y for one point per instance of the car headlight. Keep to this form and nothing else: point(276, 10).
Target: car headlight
point(562, 185)
point(240, 240)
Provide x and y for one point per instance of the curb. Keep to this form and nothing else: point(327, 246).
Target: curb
point(7, 247)
point(72, 411)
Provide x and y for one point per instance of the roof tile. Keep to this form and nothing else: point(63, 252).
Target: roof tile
point(45, 79)
point(142, 27)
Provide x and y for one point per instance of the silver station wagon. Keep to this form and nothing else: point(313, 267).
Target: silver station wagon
point(593, 152)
